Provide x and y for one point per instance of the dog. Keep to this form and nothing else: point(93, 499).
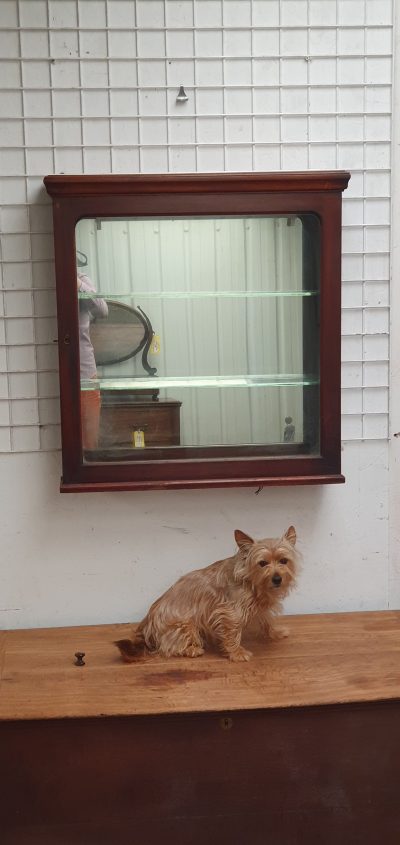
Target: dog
point(217, 603)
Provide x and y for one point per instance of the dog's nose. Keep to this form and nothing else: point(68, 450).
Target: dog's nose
point(276, 580)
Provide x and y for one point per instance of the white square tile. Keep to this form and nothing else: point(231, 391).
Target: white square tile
point(238, 100)
point(352, 401)
point(209, 101)
point(294, 12)
point(379, 12)
point(45, 330)
point(350, 71)
point(9, 44)
point(12, 133)
point(96, 133)
point(351, 100)
point(14, 219)
point(376, 348)
point(95, 11)
point(376, 374)
point(153, 160)
point(266, 12)
point(351, 157)
point(322, 100)
point(351, 375)
point(38, 133)
point(295, 157)
point(124, 103)
point(376, 427)
point(322, 157)
point(23, 386)
point(68, 161)
point(36, 74)
point(294, 71)
point(208, 43)
point(63, 44)
point(322, 42)
point(210, 130)
point(180, 72)
point(237, 13)
point(266, 101)
point(353, 240)
point(120, 14)
point(378, 128)
point(125, 160)
point(182, 160)
point(376, 294)
point(50, 435)
point(17, 275)
point(208, 13)
point(18, 303)
point(377, 211)
point(4, 413)
point(32, 13)
point(9, 13)
point(377, 239)
point(47, 357)
point(97, 161)
point(322, 71)
point(352, 427)
point(49, 411)
point(150, 44)
point(375, 401)
point(210, 159)
point(151, 73)
point(352, 295)
point(351, 12)
point(67, 133)
point(48, 385)
point(377, 184)
point(322, 128)
point(379, 70)
point(125, 131)
point(351, 348)
point(11, 75)
point(39, 162)
point(377, 267)
point(95, 103)
point(209, 72)
point(266, 43)
point(37, 104)
point(180, 43)
point(3, 386)
point(377, 156)
point(43, 273)
point(266, 71)
point(182, 131)
point(294, 129)
point(19, 331)
point(237, 71)
point(15, 247)
point(149, 14)
point(352, 212)
point(92, 44)
point(178, 13)
point(350, 128)
point(376, 321)
point(12, 190)
point(378, 41)
point(238, 130)
point(153, 131)
point(122, 45)
point(151, 102)
point(12, 161)
point(237, 42)
point(239, 158)
point(378, 99)
point(294, 100)
point(95, 75)
point(21, 358)
point(66, 103)
point(10, 104)
point(25, 438)
point(322, 14)
point(352, 268)
point(5, 440)
point(351, 41)
point(266, 129)
point(294, 42)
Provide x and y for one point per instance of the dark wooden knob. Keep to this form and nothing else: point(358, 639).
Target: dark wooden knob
point(79, 658)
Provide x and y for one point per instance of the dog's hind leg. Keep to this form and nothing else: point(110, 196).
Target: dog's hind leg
point(227, 630)
point(181, 639)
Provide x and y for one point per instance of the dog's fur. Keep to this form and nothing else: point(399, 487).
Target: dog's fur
point(217, 603)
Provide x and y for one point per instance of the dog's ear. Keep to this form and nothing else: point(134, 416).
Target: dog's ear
point(243, 540)
point(290, 535)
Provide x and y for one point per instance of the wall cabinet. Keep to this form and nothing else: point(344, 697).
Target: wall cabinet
point(215, 299)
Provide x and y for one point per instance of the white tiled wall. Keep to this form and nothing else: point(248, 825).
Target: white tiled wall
point(91, 86)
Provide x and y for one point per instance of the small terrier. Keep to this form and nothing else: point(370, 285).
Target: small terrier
point(216, 604)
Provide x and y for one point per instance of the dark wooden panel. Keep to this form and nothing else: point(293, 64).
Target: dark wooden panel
point(160, 422)
point(286, 777)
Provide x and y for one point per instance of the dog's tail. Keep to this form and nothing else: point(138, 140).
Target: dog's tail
point(132, 649)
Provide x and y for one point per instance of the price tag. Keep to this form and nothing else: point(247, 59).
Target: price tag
point(155, 346)
point(138, 438)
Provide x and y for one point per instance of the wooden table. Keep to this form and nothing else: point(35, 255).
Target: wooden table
point(300, 745)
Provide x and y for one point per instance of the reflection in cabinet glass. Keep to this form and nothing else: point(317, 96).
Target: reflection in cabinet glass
point(199, 329)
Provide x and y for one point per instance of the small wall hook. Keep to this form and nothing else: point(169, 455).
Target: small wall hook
point(79, 658)
point(182, 95)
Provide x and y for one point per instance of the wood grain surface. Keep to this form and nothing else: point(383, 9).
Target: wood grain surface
point(328, 659)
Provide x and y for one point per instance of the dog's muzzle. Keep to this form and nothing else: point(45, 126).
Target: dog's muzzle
point(276, 580)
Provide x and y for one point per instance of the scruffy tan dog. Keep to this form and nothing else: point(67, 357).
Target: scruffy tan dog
point(217, 603)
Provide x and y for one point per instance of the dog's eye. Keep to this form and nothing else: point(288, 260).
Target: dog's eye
point(283, 560)
point(263, 563)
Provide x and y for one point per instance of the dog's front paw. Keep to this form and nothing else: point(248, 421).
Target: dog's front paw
point(240, 654)
point(278, 633)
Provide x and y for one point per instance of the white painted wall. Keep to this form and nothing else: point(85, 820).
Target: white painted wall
point(314, 94)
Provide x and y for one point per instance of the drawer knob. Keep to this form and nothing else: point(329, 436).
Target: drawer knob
point(79, 658)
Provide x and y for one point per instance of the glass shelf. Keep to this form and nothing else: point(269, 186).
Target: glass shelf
point(156, 383)
point(210, 294)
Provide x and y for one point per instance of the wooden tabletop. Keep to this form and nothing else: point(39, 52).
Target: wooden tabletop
point(330, 658)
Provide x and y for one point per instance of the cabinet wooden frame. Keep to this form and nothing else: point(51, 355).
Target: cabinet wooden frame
point(238, 194)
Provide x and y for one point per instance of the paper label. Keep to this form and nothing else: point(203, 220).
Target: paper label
point(155, 345)
point(138, 438)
